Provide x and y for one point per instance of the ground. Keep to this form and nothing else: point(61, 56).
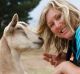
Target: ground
point(33, 62)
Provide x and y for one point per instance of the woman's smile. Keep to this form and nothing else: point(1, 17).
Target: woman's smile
point(57, 24)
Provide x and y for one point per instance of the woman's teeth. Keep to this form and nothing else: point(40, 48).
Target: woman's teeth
point(63, 30)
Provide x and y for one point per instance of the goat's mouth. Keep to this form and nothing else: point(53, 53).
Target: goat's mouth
point(39, 43)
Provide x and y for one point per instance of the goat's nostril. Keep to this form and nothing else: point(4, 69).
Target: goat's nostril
point(42, 41)
point(40, 38)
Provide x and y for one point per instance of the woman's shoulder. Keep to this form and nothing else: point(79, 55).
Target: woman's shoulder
point(77, 37)
point(78, 29)
point(77, 32)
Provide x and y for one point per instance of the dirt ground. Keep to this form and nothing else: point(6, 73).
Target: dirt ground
point(33, 62)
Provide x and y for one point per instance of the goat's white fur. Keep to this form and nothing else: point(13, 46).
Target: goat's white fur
point(16, 38)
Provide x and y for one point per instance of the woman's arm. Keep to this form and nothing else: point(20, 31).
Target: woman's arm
point(67, 68)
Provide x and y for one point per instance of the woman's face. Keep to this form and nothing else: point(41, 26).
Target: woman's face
point(56, 23)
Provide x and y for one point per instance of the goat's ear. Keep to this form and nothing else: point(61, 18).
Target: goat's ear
point(14, 20)
point(13, 23)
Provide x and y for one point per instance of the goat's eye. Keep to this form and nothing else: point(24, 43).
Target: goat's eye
point(19, 28)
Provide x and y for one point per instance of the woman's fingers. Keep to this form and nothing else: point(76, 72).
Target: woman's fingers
point(46, 58)
point(52, 62)
point(48, 55)
point(50, 58)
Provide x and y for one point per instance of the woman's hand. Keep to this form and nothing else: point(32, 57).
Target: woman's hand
point(66, 67)
point(55, 59)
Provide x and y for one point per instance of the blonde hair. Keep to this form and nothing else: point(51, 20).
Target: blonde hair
point(71, 14)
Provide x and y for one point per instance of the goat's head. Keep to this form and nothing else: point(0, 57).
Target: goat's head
point(19, 36)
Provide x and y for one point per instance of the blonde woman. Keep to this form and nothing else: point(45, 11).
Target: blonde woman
point(59, 23)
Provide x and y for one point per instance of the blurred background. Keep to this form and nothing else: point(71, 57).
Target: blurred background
point(9, 7)
point(29, 11)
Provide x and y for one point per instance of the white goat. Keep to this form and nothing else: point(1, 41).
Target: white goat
point(16, 38)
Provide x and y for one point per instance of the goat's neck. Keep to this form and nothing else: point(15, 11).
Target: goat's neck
point(9, 57)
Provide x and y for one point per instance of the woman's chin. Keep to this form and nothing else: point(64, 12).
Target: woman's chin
point(66, 37)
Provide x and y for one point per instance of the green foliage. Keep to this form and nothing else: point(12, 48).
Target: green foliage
point(9, 7)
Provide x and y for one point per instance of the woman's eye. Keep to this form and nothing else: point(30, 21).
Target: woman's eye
point(58, 17)
point(51, 25)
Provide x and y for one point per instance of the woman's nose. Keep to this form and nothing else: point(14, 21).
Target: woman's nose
point(57, 25)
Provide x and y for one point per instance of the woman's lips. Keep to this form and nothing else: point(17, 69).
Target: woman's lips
point(63, 30)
